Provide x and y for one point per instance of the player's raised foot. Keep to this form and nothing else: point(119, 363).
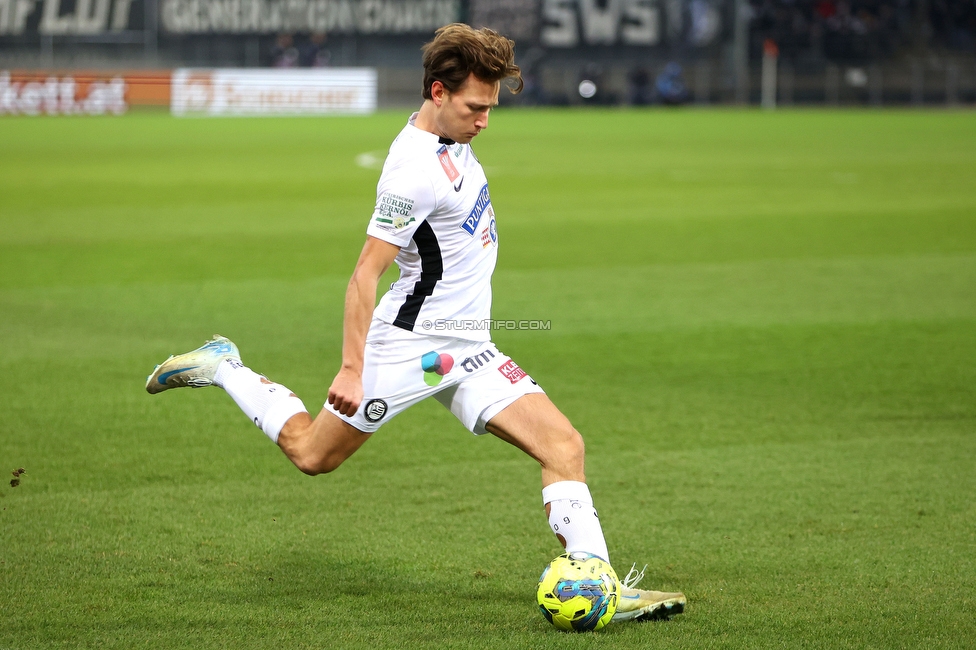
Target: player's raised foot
point(195, 369)
point(643, 605)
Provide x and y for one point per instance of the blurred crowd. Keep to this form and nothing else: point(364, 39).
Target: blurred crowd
point(853, 32)
point(309, 51)
point(861, 30)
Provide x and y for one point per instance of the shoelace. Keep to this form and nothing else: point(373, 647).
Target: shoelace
point(633, 576)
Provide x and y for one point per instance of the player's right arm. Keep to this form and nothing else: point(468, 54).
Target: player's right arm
point(346, 391)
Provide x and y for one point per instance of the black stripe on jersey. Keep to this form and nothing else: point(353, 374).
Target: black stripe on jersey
point(431, 271)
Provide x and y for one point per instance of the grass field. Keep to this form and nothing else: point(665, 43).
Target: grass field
point(763, 324)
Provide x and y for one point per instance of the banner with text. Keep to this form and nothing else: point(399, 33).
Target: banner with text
point(565, 24)
point(81, 93)
point(94, 18)
point(559, 24)
point(332, 16)
point(242, 92)
point(70, 17)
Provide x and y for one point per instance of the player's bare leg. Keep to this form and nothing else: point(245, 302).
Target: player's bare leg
point(534, 424)
point(320, 445)
point(314, 446)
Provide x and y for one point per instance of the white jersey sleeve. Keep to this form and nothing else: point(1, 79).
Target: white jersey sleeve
point(404, 199)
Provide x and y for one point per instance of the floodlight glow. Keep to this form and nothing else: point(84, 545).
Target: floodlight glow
point(587, 89)
point(856, 77)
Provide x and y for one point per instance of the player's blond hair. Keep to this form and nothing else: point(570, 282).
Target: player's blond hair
point(458, 51)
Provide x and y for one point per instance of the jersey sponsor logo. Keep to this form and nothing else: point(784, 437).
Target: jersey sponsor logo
point(470, 225)
point(473, 363)
point(512, 372)
point(447, 164)
point(489, 235)
point(375, 410)
point(393, 211)
point(457, 188)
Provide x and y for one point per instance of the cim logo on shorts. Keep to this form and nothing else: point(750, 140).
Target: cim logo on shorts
point(470, 225)
point(473, 363)
point(375, 410)
point(435, 366)
point(512, 372)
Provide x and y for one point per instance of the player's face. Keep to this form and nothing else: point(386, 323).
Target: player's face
point(464, 114)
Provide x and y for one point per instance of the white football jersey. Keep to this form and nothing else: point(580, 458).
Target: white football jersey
point(432, 201)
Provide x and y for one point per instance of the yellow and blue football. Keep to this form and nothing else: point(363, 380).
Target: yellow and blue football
point(578, 592)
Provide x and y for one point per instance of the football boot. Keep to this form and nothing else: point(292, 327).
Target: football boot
point(195, 369)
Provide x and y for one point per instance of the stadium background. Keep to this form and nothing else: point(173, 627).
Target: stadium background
point(857, 52)
point(761, 321)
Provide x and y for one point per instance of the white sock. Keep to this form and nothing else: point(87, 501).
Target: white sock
point(267, 404)
point(573, 518)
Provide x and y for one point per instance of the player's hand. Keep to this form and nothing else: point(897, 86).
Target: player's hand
point(346, 392)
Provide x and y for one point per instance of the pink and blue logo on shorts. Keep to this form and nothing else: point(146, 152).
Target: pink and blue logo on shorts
point(435, 366)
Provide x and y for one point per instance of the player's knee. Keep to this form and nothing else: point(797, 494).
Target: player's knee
point(568, 449)
point(314, 461)
point(575, 446)
point(315, 465)
point(308, 453)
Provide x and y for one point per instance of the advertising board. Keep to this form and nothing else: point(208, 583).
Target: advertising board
point(242, 92)
point(80, 92)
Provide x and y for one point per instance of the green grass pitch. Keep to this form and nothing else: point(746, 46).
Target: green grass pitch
point(764, 325)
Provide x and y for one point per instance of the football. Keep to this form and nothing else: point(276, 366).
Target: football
point(578, 592)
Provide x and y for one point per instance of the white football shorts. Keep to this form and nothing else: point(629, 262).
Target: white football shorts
point(400, 368)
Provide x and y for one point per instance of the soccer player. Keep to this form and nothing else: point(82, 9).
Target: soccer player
point(429, 336)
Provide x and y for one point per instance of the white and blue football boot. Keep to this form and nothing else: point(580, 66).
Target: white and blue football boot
point(195, 369)
point(643, 605)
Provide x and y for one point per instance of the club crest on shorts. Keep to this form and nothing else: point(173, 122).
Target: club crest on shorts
point(375, 410)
